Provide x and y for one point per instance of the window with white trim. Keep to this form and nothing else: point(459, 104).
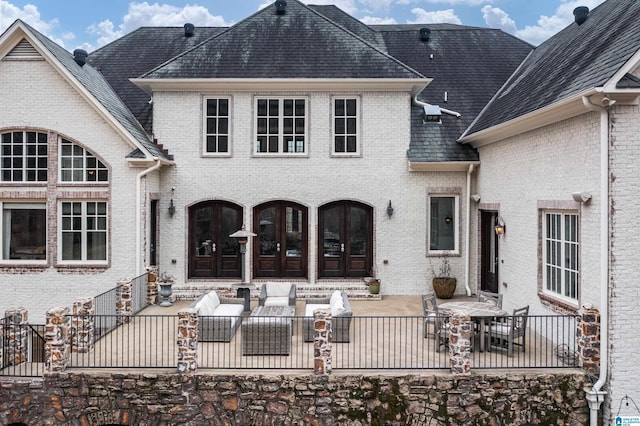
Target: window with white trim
point(281, 126)
point(345, 126)
point(79, 165)
point(443, 223)
point(24, 231)
point(83, 231)
point(23, 156)
point(216, 139)
point(561, 255)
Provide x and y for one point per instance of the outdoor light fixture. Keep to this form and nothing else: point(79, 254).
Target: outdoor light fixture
point(581, 197)
point(172, 207)
point(500, 226)
point(389, 209)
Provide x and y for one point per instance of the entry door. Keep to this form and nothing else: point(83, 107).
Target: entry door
point(212, 253)
point(489, 251)
point(345, 240)
point(281, 248)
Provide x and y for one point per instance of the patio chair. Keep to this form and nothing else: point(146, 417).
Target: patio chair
point(429, 310)
point(441, 330)
point(487, 296)
point(506, 333)
point(277, 294)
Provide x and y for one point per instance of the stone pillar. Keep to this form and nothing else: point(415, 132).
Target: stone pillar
point(56, 338)
point(187, 340)
point(83, 325)
point(124, 305)
point(16, 336)
point(588, 336)
point(152, 285)
point(322, 337)
point(460, 330)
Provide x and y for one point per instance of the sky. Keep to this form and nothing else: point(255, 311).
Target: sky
point(90, 24)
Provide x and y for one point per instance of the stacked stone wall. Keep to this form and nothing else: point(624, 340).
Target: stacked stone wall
point(201, 399)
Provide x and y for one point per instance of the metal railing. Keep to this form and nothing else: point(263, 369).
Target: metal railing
point(374, 343)
point(104, 306)
point(139, 292)
point(22, 357)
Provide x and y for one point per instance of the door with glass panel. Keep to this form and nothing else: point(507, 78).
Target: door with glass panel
point(489, 251)
point(280, 248)
point(212, 253)
point(345, 240)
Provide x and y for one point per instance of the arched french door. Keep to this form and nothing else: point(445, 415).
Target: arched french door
point(281, 248)
point(345, 240)
point(212, 253)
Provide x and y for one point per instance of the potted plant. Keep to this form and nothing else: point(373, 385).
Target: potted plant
point(444, 285)
point(374, 285)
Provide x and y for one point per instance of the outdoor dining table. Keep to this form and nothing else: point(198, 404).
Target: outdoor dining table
point(478, 311)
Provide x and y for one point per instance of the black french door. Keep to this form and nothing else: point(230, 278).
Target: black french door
point(489, 251)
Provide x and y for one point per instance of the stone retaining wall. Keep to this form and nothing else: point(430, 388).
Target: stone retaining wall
point(199, 399)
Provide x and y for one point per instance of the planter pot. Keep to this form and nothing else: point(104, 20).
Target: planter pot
point(444, 287)
point(374, 288)
point(165, 293)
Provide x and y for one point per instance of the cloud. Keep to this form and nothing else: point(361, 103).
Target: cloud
point(460, 2)
point(374, 20)
point(347, 6)
point(546, 26)
point(156, 15)
point(436, 17)
point(31, 15)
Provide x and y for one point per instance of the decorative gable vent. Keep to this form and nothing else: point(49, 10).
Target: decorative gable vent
point(23, 49)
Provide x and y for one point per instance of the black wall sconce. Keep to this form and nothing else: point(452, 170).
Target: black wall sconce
point(172, 207)
point(389, 209)
point(500, 226)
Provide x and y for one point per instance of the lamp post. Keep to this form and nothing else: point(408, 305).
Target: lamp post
point(243, 237)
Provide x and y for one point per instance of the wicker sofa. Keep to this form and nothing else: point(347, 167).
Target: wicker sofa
point(219, 317)
point(341, 314)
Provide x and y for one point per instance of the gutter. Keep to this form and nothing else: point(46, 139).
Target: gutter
point(139, 177)
point(468, 226)
point(596, 395)
point(446, 111)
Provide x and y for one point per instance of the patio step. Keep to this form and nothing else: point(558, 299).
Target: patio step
point(358, 291)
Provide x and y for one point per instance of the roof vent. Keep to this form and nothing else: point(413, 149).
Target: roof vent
point(281, 7)
point(189, 30)
point(424, 34)
point(580, 14)
point(80, 56)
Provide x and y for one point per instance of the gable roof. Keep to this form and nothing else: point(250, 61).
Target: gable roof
point(299, 44)
point(468, 65)
point(577, 59)
point(138, 52)
point(98, 89)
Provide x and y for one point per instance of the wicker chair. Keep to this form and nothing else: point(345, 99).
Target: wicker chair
point(506, 333)
point(277, 294)
point(340, 323)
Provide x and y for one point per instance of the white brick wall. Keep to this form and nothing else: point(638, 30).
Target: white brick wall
point(376, 177)
point(36, 97)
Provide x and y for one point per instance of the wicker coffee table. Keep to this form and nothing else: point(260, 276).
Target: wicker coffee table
point(267, 331)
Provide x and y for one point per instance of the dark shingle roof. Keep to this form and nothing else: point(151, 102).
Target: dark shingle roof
point(350, 23)
point(99, 88)
point(468, 65)
point(578, 58)
point(301, 43)
point(138, 52)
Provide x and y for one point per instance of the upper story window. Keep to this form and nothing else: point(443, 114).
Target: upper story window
point(79, 165)
point(83, 231)
point(23, 156)
point(345, 126)
point(216, 126)
point(443, 223)
point(561, 266)
point(24, 231)
point(281, 126)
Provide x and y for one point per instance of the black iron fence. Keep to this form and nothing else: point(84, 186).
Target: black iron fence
point(139, 299)
point(372, 343)
point(22, 349)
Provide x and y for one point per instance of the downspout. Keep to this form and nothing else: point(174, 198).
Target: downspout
point(596, 395)
point(446, 111)
point(139, 210)
point(468, 226)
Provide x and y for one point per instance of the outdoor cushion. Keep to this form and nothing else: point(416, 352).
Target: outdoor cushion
point(208, 305)
point(277, 301)
point(278, 290)
point(308, 310)
point(337, 305)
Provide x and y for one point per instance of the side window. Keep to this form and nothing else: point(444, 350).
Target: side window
point(79, 165)
point(23, 157)
point(443, 223)
point(216, 137)
point(83, 231)
point(560, 249)
point(24, 231)
point(346, 123)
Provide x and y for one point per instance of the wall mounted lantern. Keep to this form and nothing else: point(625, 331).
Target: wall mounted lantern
point(500, 226)
point(389, 209)
point(172, 207)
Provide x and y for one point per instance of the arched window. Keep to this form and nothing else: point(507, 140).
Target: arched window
point(79, 165)
point(23, 156)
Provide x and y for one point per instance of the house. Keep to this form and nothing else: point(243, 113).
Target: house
point(558, 146)
point(349, 150)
